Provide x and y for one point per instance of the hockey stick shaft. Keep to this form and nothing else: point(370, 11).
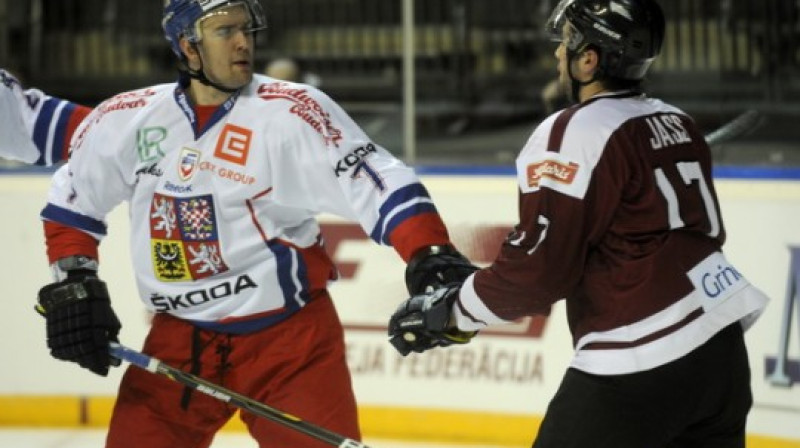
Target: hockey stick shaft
point(743, 124)
point(156, 366)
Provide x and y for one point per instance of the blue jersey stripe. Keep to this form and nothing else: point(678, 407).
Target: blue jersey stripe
point(287, 277)
point(284, 260)
point(398, 198)
point(41, 129)
point(71, 219)
point(61, 132)
point(245, 326)
point(416, 209)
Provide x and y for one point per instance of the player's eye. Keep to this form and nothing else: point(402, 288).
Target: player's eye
point(228, 31)
point(224, 32)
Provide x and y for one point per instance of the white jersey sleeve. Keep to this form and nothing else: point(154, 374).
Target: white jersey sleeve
point(36, 127)
point(87, 188)
point(332, 166)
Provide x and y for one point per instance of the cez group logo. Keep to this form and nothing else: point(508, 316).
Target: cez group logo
point(234, 144)
point(782, 370)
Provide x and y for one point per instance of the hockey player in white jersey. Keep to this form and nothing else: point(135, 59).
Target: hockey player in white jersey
point(224, 173)
point(35, 127)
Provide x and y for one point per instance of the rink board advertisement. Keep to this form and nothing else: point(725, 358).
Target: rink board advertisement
point(493, 390)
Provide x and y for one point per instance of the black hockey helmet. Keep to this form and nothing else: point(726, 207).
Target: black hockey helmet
point(627, 33)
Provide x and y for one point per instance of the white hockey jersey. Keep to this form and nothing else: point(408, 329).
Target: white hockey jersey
point(35, 127)
point(223, 218)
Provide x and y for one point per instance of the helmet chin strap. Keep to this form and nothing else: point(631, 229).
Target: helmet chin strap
point(575, 85)
point(200, 75)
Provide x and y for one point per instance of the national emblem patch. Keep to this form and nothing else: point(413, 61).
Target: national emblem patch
point(183, 238)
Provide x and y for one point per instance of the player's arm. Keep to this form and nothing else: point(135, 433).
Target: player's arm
point(356, 178)
point(394, 208)
point(539, 263)
point(77, 308)
point(533, 270)
point(36, 127)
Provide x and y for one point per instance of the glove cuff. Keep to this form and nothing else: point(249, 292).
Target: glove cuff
point(421, 254)
point(66, 267)
point(55, 296)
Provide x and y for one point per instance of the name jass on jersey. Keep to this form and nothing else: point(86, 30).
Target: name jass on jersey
point(164, 303)
point(667, 130)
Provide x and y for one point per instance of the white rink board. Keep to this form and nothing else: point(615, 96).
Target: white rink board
point(512, 370)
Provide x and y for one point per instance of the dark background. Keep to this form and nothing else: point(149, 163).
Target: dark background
point(481, 65)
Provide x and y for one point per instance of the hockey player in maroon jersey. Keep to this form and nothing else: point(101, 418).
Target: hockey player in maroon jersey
point(618, 216)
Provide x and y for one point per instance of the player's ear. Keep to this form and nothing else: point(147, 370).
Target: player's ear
point(190, 51)
point(589, 60)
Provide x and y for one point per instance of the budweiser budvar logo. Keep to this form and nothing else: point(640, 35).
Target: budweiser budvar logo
point(553, 169)
point(305, 107)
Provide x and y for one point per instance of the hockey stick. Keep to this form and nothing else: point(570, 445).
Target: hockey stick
point(153, 365)
point(743, 124)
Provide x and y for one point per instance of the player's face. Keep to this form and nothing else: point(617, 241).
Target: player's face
point(226, 46)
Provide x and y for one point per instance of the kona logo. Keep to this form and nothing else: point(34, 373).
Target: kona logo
point(357, 155)
point(165, 303)
point(551, 169)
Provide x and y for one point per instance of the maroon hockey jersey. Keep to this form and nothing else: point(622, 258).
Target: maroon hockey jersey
point(618, 215)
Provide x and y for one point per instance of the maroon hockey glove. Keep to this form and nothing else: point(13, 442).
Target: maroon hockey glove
point(80, 321)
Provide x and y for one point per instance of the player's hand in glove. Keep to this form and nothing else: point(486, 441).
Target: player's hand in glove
point(423, 322)
point(435, 267)
point(80, 321)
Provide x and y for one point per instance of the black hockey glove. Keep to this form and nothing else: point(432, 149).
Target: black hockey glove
point(435, 267)
point(80, 321)
point(423, 322)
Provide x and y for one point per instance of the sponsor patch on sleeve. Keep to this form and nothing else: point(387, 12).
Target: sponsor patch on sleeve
point(561, 172)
